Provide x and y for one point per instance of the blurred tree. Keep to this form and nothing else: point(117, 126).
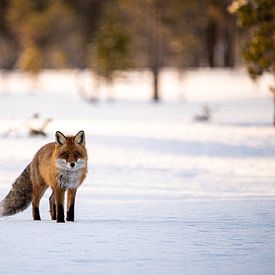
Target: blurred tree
point(221, 34)
point(157, 35)
point(89, 15)
point(257, 18)
point(8, 45)
point(114, 35)
point(39, 27)
point(110, 48)
point(30, 59)
point(184, 42)
point(146, 30)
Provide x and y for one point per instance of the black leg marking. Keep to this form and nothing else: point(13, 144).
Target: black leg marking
point(70, 213)
point(36, 215)
point(52, 206)
point(53, 211)
point(60, 213)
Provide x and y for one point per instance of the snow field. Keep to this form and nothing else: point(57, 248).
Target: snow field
point(164, 194)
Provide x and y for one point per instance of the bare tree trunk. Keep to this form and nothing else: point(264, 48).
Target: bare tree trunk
point(155, 51)
point(155, 72)
point(211, 40)
point(230, 37)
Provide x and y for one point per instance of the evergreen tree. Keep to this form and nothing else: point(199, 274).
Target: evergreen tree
point(257, 18)
point(110, 48)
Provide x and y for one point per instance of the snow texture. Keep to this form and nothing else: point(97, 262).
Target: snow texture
point(164, 194)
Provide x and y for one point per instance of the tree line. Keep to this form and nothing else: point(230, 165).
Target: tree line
point(110, 36)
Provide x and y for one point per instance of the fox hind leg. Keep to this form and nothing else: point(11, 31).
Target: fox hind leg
point(38, 192)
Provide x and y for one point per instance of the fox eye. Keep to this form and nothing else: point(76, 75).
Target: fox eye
point(65, 155)
point(77, 155)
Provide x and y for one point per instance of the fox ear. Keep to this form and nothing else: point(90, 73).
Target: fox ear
point(79, 138)
point(60, 138)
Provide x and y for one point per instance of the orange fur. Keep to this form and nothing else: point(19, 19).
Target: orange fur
point(61, 165)
point(45, 163)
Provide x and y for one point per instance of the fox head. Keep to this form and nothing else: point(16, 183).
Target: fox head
point(70, 151)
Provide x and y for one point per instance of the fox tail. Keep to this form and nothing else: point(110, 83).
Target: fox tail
point(20, 195)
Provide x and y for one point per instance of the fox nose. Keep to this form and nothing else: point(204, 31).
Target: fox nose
point(72, 164)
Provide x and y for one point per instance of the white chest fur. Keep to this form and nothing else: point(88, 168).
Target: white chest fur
point(69, 178)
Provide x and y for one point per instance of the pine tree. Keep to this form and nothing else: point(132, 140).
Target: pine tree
point(110, 49)
point(257, 18)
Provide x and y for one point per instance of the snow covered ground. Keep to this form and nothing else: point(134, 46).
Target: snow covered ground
point(164, 194)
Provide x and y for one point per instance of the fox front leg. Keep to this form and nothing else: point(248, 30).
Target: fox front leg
point(59, 202)
point(52, 206)
point(70, 204)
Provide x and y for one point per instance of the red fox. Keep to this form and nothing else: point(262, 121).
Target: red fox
point(61, 165)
